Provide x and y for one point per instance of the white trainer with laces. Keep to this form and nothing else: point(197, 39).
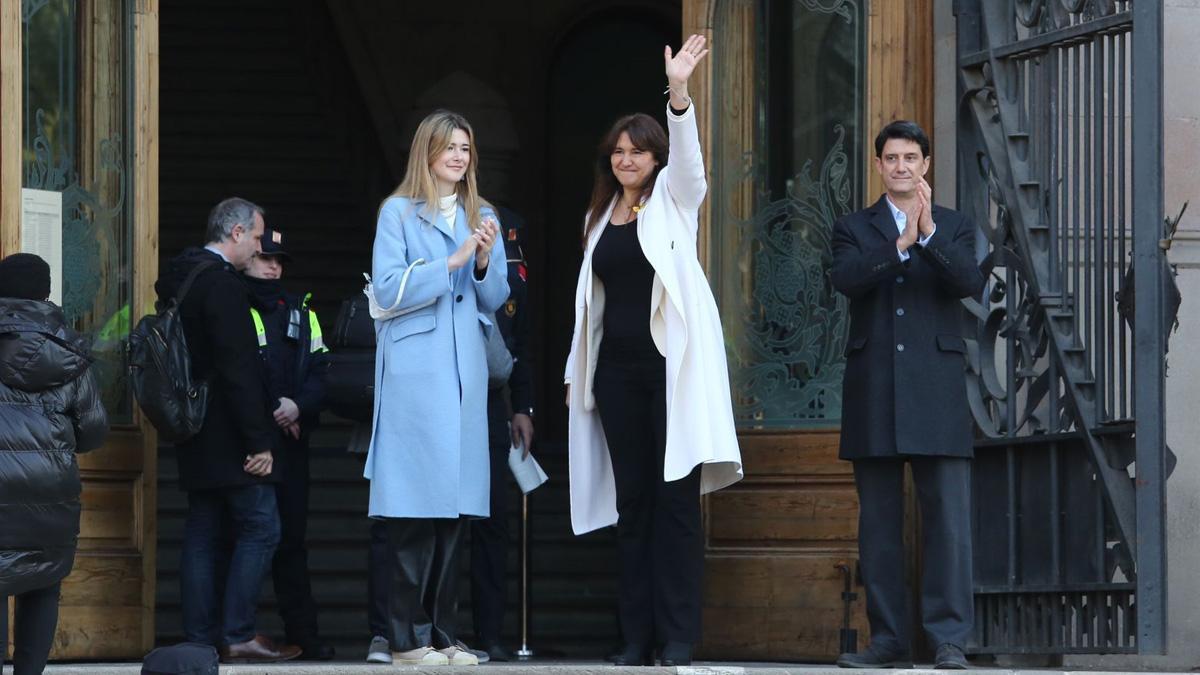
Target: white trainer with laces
point(423, 656)
point(459, 657)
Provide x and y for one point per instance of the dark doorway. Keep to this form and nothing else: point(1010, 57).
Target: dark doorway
point(607, 66)
point(264, 99)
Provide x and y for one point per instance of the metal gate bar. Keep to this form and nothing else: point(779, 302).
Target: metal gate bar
point(1060, 147)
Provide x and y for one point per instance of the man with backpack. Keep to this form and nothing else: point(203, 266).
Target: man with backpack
point(226, 468)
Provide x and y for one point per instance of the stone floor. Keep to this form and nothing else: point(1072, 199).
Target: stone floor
point(534, 667)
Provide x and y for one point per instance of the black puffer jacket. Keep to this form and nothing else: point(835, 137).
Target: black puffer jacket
point(49, 410)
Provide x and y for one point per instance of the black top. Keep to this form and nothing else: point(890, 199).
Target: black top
point(628, 281)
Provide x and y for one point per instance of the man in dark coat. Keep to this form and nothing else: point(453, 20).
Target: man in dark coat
point(293, 350)
point(905, 264)
point(226, 469)
point(49, 410)
point(510, 424)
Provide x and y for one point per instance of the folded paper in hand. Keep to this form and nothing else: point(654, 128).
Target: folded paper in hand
point(525, 469)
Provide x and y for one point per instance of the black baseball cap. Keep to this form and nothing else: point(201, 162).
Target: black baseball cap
point(272, 244)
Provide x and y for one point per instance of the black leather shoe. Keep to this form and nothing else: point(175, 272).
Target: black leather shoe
point(633, 655)
point(497, 652)
point(676, 654)
point(875, 658)
point(950, 657)
point(316, 651)
point(259, 649)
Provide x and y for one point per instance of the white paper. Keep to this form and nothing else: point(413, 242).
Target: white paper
point(526, 470)
point(41, 232)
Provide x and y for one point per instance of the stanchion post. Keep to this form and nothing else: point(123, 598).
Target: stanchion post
point(524, 652)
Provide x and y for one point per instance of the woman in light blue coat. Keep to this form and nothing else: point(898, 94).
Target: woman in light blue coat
point(434, 288)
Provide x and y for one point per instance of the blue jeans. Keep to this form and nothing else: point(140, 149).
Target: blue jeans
point(219, 603)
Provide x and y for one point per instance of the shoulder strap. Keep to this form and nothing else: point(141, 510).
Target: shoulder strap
point(187, 283)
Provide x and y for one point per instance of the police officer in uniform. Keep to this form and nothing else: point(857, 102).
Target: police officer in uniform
point(293, 352)
point(510, 423)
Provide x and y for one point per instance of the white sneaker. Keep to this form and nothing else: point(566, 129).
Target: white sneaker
point(379, 651)
point(457, 656)
point(422, 656)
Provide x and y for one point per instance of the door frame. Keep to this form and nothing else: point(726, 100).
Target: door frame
point(139, 438)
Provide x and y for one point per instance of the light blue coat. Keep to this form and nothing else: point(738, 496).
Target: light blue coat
point(429, 445)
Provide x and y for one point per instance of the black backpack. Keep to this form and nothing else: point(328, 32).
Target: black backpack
point(350, 380)
point(160, 370)
point(187, 658)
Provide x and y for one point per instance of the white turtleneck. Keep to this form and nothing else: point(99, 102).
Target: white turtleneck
point(448, 206)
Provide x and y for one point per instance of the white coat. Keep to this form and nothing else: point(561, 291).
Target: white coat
point(686, 329)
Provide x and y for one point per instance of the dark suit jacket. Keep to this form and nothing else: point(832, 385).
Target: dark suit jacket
point(224, 349)
point(904, 391)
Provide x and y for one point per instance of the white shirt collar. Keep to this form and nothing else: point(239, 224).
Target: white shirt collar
point(218, 252)
point(899, 216)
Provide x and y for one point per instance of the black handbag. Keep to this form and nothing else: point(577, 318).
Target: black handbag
point(350, 383)
point(355, 329)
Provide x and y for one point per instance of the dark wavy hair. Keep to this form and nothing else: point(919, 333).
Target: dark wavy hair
point(646, 134)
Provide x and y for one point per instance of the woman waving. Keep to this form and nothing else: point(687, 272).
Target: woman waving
point(651, 421)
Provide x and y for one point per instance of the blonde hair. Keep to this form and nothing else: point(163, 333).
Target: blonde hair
point(432, 138)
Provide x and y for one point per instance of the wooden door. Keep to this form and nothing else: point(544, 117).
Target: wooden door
point(790, 102)
point(780, 545)
point(86, 105)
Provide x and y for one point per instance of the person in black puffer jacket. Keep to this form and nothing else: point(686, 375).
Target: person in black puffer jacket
point(49, 410)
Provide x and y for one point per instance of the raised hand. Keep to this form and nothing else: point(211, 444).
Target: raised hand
point(679, 68)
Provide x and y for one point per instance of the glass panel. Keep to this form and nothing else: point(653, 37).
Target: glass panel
point(76, 131)
point(788, 161)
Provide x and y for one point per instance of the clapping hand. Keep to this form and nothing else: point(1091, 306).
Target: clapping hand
point(925, 200)
point(912, 219)
point(485, 238)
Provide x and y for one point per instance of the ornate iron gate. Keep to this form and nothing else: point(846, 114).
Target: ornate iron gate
point(1060, 139)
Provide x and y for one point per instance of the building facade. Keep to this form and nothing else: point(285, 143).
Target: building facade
point(122, 121)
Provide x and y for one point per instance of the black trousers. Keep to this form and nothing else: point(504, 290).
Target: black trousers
point(289, 567)
point(423, 597)
point(36, 616)
point(659, 533)
point(489, 550)
point(379, 579)
point(944, 490)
